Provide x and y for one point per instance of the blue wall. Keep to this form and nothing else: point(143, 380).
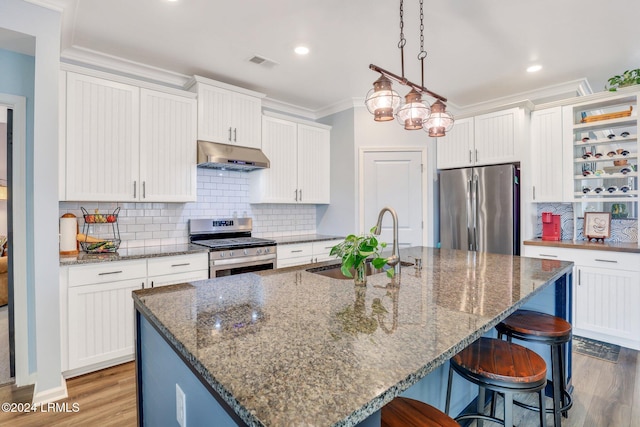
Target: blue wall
point(17, 77)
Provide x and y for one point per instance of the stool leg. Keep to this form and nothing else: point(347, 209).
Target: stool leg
point(480, 403)
point(563, 398)
point(556, 373)
point(448, 403)
point(543, 410)
point(508, 409)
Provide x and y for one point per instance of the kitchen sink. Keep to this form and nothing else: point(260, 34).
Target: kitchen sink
point(334, 272)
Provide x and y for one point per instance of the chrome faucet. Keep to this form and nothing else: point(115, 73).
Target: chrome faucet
point(394, 259)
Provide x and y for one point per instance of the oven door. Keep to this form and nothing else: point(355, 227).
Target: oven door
point(229, 267)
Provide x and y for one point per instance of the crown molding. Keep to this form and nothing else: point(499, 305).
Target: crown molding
point(285, 107)
point(49, 4)
point(94, 59)
point(339, 106)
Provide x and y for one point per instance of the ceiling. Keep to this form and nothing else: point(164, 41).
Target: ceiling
point(477, 50)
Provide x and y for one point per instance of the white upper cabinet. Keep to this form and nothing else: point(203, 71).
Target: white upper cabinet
point(226, 115)
point(484, 139)
point(455, 150)
point(168, 148)
point(102, 150)
point(300, 164)
point(126, 143)
point(546, 155)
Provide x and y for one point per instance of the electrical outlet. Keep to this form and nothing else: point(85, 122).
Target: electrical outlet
point(181, 407)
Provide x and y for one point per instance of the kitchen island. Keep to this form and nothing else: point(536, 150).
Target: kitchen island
point(296, 348)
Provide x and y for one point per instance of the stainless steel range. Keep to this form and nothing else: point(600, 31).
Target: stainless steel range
point(232, 249)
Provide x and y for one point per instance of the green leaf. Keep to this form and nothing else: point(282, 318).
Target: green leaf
point(379, 262)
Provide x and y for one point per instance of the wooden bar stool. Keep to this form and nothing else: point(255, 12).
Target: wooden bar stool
point(544, 328)
point(403, 412)
point(502, 367)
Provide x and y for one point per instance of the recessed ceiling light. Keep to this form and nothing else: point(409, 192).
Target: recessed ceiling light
point(534, 68)
point(301, 50)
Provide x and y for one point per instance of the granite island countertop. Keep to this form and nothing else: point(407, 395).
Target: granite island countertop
point(297, 348)
point(304, 238)
point(132, 253)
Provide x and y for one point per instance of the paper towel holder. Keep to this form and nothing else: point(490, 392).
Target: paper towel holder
point(69, 231)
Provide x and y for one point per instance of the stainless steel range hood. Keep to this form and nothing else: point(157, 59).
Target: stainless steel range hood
point(215, 155)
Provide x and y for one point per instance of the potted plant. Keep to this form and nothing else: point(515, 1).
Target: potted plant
point(628, 78)
point(354, 252)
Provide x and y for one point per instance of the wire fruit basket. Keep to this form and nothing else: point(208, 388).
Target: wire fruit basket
point(96, 245)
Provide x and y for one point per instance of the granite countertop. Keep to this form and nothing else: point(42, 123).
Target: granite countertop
point(304, 238)
point(132, 253)
point(321, 351)
point(583, 244)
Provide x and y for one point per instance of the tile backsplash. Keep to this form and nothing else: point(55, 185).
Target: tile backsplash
point(622, 230)
point(221, 194)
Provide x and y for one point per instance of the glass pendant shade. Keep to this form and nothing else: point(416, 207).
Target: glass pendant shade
point(413, 112)
point(382, 101)
point(439, 121)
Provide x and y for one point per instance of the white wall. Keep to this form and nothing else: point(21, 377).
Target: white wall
point(42, 191)
point(3, 168)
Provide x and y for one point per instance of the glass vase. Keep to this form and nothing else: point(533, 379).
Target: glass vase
point(360, 275)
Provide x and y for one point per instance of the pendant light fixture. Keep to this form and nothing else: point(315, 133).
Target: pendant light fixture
point(383, 102)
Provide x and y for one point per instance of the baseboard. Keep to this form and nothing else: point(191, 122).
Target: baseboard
point(50, 395)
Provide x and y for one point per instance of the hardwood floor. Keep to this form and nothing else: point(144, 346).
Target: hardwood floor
point(103, 398)
point(605, 394)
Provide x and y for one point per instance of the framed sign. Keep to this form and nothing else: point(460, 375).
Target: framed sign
point(597, 225)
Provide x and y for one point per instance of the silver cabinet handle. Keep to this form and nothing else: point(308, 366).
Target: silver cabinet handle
point(152, 283)
point(229, 133)
point(534, 192)
point(470, 154)
point(476, 154)
point(134, 189)
point(296, 194)
point(109, 272)
point(142, 285)
point(144, 189)
point(181, 265)
point(235, 134)
point(579, 277)
point(296, 251)
point(607, 260)
point(301, 194)
point(550, 256)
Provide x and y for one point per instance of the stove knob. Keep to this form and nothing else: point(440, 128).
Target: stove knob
point(259, 251)
point(246, 252)
point(230, 253)
point(221, 254)
point(267, 250)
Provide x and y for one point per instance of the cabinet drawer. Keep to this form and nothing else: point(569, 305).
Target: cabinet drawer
point(172, 279)
point(295, 251)
point(548, 252)
point(290, 262)
point(609, 259)
point(322, 249)
point(177, 264)
point(107, 272)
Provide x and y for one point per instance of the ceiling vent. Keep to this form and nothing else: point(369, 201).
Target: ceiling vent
point(261, 60)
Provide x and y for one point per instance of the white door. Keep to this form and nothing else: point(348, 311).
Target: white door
point(393, 178)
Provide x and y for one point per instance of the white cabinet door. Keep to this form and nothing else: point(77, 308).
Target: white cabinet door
point(101, 323)
point(168, 147)
point(228, 117)
point(102, 150)
point(214, 114)
point(606, 305)
point(172, 279)
point(322, 249)
point(497, 137)
point(546, 155)
point(313, 164)
point(456, 149)
point(247, 121)
point(278, 184)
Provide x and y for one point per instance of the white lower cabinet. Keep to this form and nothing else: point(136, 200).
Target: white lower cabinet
point(97, 315)
point(605, 293)
point(322, 249)
point(294, 254)
point(305, 253)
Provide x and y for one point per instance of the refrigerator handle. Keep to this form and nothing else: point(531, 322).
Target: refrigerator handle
point(475, 212)
point(470, 237)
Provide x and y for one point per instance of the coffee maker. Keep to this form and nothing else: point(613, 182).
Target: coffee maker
point(551, 229)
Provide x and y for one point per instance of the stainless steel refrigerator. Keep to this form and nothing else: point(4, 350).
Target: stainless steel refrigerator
point(479, 209)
